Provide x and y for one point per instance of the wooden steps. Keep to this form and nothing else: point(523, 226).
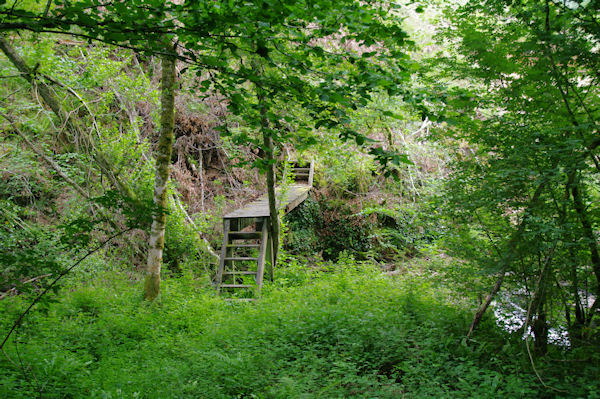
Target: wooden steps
point(303, 173)
point(246, 242)
point(240, 269)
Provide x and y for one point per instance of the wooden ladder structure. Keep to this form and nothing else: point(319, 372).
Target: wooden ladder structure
point(247, 247)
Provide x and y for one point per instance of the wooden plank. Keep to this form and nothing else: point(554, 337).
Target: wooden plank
point(260, 207)
point(297, 201)
point(245, 272)
point(235, 221)
point(226, 223)
point(260, 270)
point(296, 196)
point(236, 286)
point(229, 250)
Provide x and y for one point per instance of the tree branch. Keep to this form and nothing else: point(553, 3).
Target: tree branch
point(19, 320)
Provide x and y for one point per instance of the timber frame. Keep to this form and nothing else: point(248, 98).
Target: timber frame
point(247, 247)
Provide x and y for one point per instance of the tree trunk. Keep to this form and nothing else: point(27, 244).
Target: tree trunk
point(269, 157)
point(506, 259)
point(29, 75)
point(163, 163)
point(488, 300)
point(537, 311)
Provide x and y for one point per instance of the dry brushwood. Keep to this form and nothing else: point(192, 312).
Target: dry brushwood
point(202, 169)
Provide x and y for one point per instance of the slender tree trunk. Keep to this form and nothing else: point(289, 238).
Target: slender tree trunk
point(269, 157)
point(163, 163)
point(485, 305)
point(29, 75)
point(505, 262)
point(537, 311)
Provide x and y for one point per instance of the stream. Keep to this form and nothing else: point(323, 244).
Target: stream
point(510, 310)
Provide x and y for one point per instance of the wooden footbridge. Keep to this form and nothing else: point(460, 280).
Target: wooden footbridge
point(247, 247)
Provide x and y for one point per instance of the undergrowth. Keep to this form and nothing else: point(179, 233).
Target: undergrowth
point(344, 331)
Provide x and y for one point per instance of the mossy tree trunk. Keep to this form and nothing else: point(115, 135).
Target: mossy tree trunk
point(163, 163)
point(30, 75)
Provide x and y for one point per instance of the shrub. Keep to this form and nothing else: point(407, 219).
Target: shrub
point(301, 223)
point(342, 229)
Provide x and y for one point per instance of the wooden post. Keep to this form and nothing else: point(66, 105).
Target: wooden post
point(270, 258)
point(219, 279)
point(235, 225)
point(260, 270)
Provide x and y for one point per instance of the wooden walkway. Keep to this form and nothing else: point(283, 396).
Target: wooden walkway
point(288, 200)
point(246, 242)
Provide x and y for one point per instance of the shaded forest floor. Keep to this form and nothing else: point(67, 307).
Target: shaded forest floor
point(337, 331)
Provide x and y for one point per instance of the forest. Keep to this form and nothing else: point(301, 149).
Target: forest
point(299, 199)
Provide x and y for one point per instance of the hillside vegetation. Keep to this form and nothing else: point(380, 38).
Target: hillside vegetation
point(449, 247)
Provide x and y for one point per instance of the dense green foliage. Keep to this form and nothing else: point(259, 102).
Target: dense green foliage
point(350, 333)
point(525, 186)
point(262, 56)
point(449, 247)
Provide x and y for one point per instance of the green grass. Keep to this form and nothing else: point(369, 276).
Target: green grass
point(345, 333)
